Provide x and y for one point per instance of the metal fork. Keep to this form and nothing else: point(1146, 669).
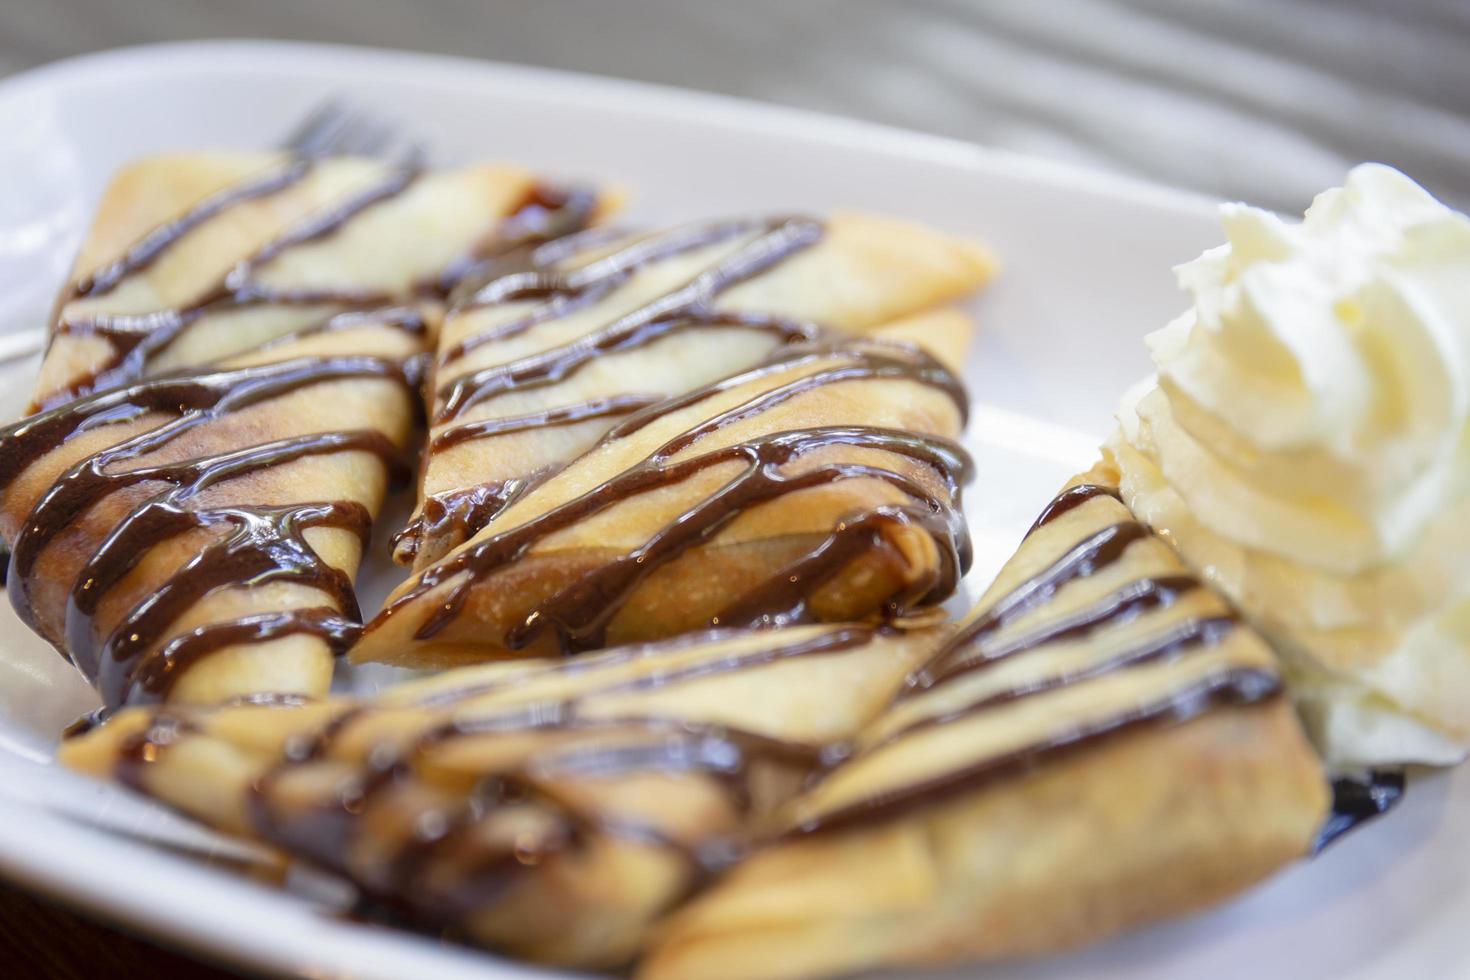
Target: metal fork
point(333, 128)
point(336, 128)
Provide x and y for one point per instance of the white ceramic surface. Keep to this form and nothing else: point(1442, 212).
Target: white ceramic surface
point(1087, 263)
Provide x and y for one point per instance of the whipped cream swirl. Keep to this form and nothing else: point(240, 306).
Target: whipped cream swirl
point(1306, 446)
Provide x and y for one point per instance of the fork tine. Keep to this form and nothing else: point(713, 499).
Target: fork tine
point(315, 134)
point(336, 128)
point(375, 139)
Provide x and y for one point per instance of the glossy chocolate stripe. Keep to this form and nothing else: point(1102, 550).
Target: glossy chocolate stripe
point(865, 361)
point(255, 544)
point(838, 640)
point(146, 746)
point(596, 408)
point(266, 542)
point(689, 305)
point(153, 678)
point(970, 651)
point(462, 513)
point(1232, 686)
point(784, 599)
point(544, 214)
point(1121, 606)
point(138, 338)
point(194, 396)
point(266, 546)
point(324, 830)
point(153, 245)
point(1095, 552)
point(580, 613)
point(1070, 499)
point(586, 606)
point(1191, 635)
point(553, 366)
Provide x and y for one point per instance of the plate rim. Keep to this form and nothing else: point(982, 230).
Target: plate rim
point(235, 53)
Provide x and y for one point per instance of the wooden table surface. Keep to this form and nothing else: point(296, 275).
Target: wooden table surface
point(41, 940)
point(1267, 100)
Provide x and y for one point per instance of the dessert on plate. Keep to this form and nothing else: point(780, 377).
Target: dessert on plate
point(820, 486)
point(561, 342)
point(553, 811)
point(725, 453)
point(230, 384)
point(1102, 743)
point(1110, 738)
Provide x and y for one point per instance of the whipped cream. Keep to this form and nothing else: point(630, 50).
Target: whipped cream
point(1305, 444)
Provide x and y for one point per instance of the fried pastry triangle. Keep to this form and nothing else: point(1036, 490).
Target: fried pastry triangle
point(230, 381)
point(1101, 745)
point(569, 338)
point(820, 486)
point(553, 811)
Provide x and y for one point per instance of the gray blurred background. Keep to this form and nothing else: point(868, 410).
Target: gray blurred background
point(1266, 100)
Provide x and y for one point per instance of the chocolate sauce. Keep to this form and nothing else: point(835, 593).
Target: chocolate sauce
point(1125, 604)
point(545, 214)
point(1357, 801)
point(1093, 553)
point(324, 832)
point(972, 649)
point(534, 273)
point(580, 613)
point(138, 338)
point(258, 544)
point(1070, 499)
point(1187, 637)
point(151, 679)
point(838, 640)
point(554, 366)
point(87, 722)
point(561, 292)
point(158, 241)
point(143, 748)
point(1235, 686)
point(453, 517)
point(244, 545)
point(596, 408)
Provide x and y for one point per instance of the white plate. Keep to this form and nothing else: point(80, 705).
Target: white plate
point(1087, 262)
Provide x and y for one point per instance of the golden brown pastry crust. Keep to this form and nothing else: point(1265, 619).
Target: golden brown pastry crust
point(232, 375)
point(551, 810)
point(935, 855)
point(559, 346)
point(869, 423)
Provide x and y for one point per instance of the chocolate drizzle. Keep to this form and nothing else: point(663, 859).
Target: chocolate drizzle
point(1127, 603)
point(1070, 499)
point(241, 546)
point(835, 640)
point(1236, 686)
point(158, 241)
point(541, 276)
point(252, 544)
point(456, 515)
point(596, 408)
point(1355, 801)
point(558, 293)
point(138, 338)
point(977, 648)
point(579, 615)
point(411, 878)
